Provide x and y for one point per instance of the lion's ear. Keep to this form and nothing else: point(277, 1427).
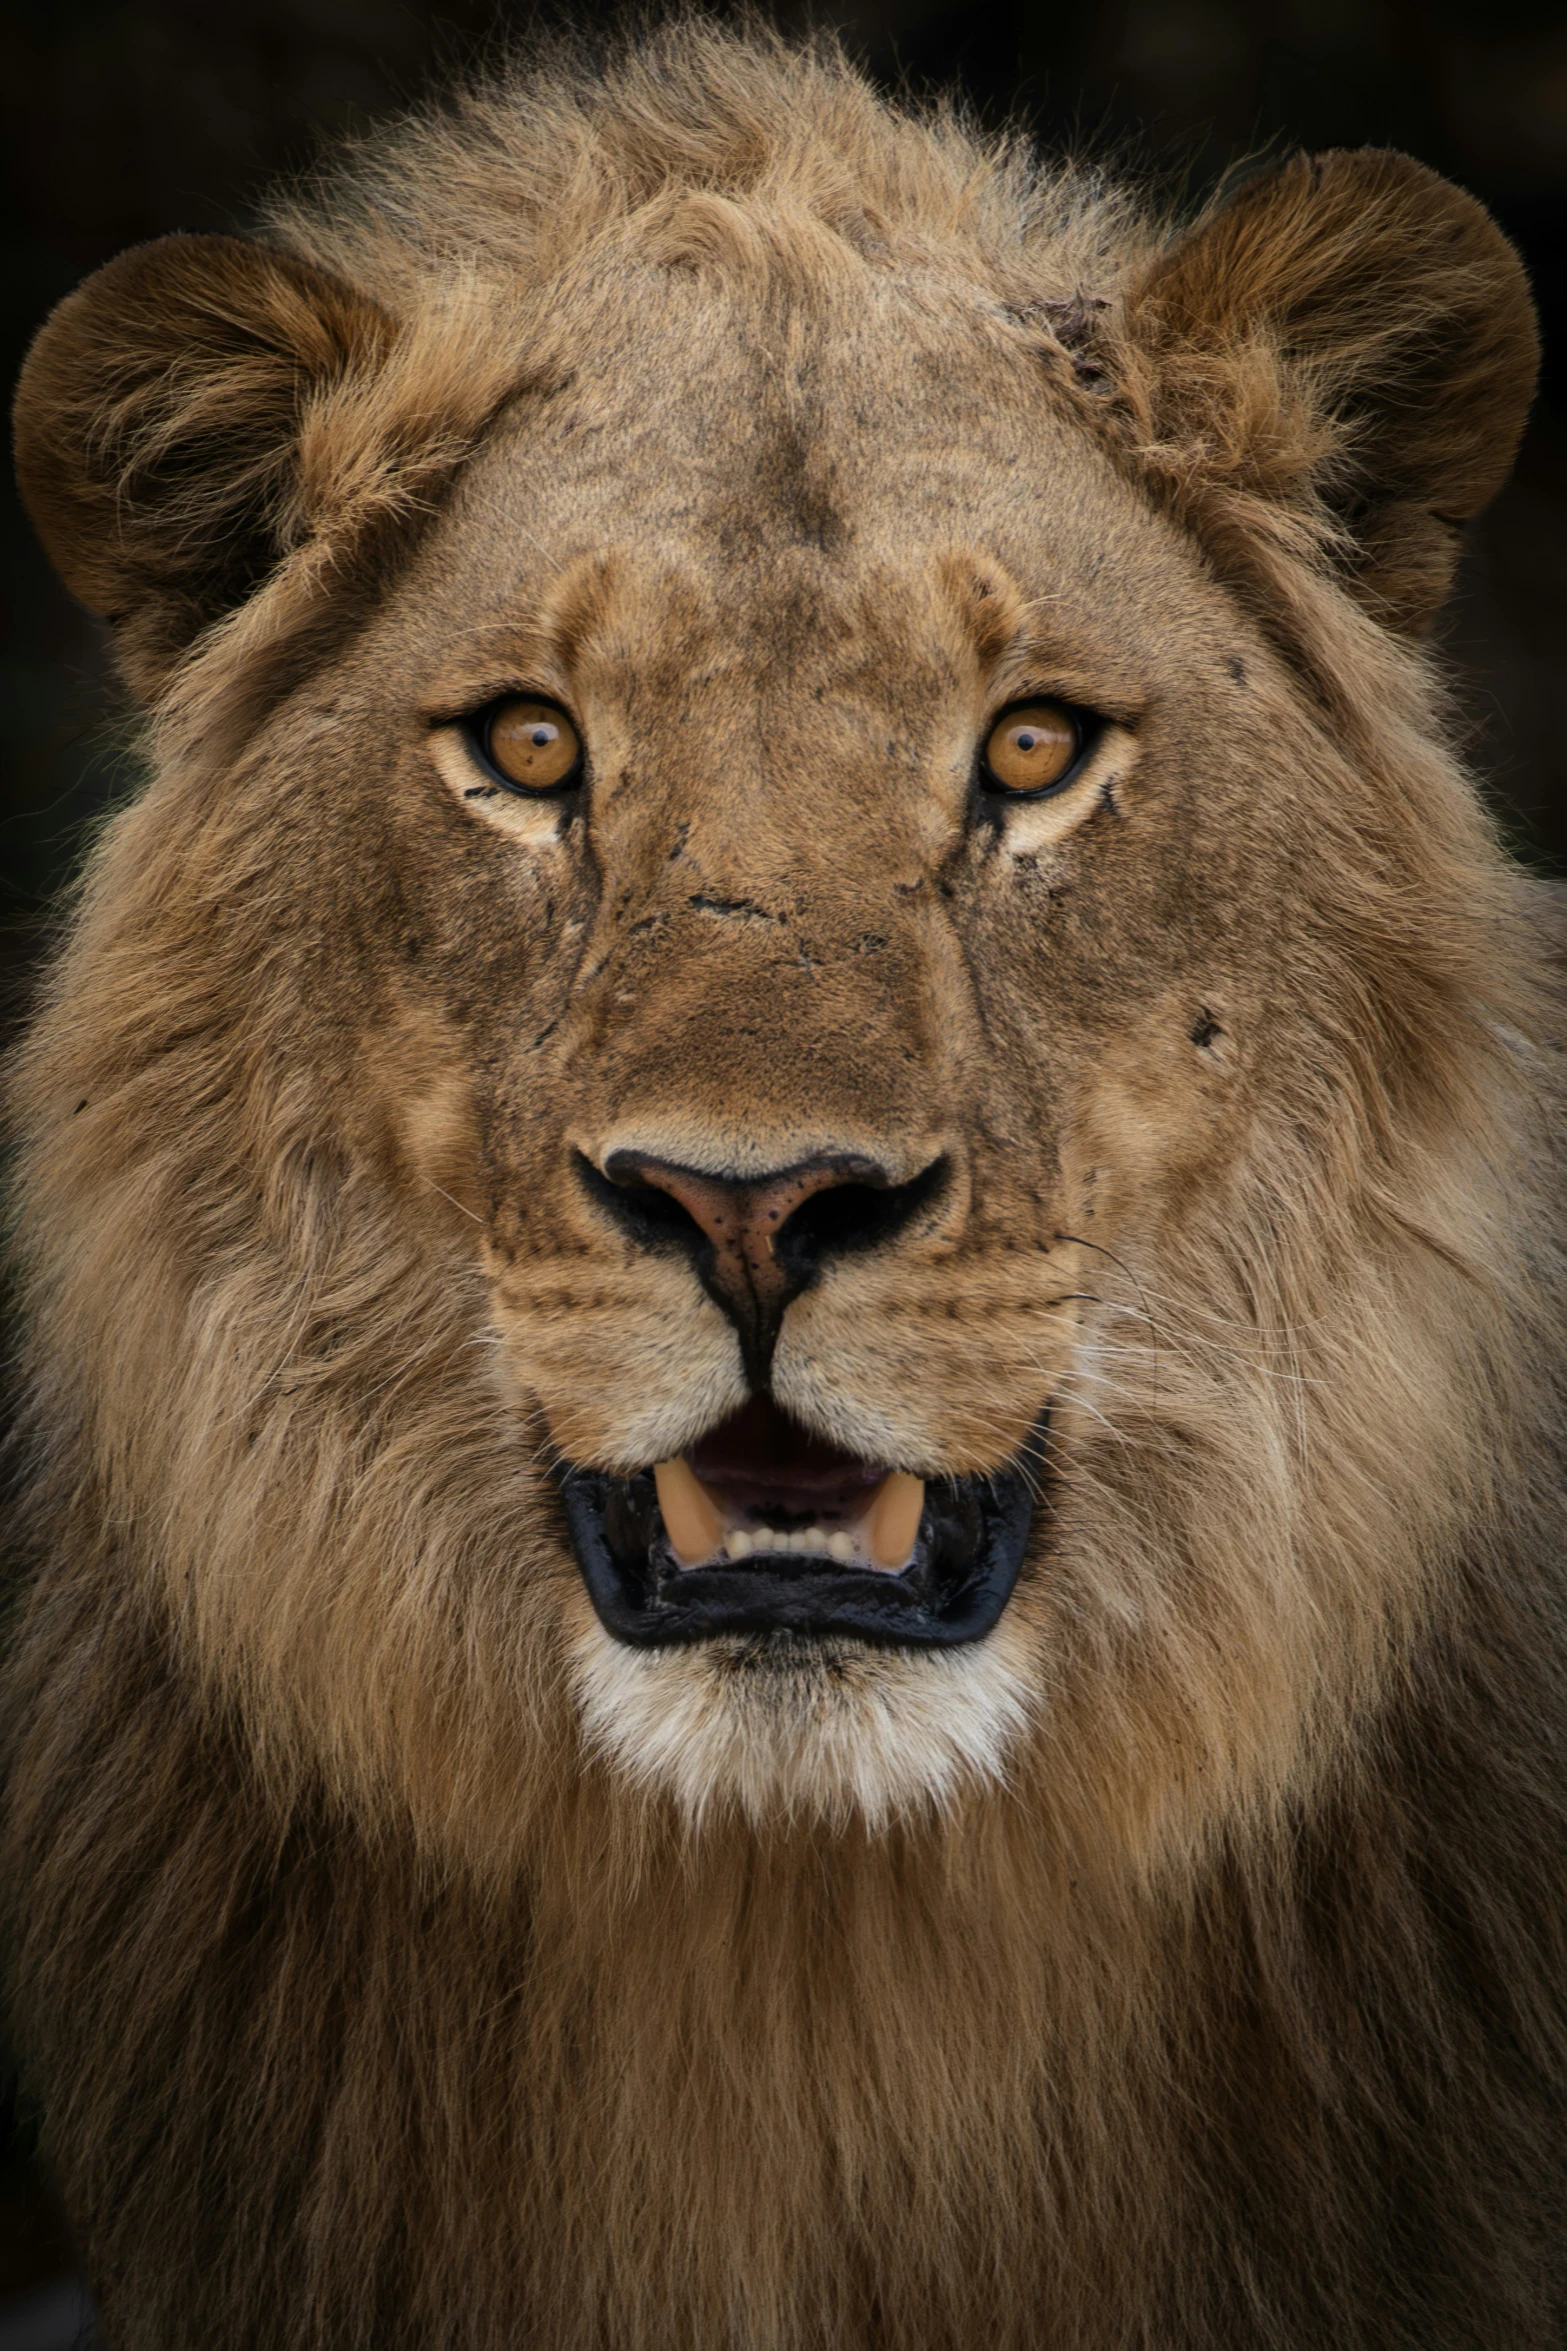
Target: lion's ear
point(1354, 331)
point(158, 427)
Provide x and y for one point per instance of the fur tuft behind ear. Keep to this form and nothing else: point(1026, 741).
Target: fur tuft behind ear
point(1350, 335)
point(159, 421)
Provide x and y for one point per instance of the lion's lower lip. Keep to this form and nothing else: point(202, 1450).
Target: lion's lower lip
point(965, 1562)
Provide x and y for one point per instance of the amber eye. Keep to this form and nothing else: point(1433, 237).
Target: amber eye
point(1032, 747)
point(531, 745)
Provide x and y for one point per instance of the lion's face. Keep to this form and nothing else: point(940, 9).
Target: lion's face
point(780, 1098)
point(782, 918)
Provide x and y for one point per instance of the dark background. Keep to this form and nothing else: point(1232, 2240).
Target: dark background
point(121, 119)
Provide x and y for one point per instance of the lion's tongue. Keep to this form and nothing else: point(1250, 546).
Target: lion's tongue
point(759, 1481)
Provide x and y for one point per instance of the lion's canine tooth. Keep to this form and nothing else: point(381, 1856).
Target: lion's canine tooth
point(894, 1519)
point(691, 1517)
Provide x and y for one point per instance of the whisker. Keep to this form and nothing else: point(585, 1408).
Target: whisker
point(457, 1204)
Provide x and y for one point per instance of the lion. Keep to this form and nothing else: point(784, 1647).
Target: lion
point(791, 1216)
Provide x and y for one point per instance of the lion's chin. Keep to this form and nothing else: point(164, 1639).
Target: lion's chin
point(781, 1727)
point(790, 1632)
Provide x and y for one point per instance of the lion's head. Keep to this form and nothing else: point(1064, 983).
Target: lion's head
point(795, 1090)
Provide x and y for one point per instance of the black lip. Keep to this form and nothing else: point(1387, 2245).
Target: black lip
point(966, 1562)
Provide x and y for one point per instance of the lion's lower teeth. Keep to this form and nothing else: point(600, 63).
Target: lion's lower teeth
point(743, 1542)
point(884, 1539)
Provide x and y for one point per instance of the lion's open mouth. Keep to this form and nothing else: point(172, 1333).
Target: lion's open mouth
point(764, 1527)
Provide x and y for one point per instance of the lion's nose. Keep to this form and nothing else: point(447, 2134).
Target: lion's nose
point(758, 1241)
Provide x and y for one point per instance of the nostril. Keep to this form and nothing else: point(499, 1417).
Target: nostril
point(857, 1216)
point(643, 1211)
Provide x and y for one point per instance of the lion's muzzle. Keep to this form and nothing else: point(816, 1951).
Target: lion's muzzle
point(758, 1241)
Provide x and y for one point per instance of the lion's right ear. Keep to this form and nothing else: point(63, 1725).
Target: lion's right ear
point(1351, 336)
point(158, 427)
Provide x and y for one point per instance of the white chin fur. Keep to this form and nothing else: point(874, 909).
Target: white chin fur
point(790, 1732)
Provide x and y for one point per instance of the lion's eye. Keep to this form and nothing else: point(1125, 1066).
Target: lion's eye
point(531, 745)
point(1032, 748)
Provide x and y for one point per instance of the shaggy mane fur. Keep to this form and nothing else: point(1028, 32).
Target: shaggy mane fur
point(1220, 2001)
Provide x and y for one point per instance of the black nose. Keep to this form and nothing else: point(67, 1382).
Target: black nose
point(758, 1241)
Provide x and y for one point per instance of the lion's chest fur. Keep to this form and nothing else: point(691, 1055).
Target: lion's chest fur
point(920, 2092)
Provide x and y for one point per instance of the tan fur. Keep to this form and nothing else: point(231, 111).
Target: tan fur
point(405, 1962)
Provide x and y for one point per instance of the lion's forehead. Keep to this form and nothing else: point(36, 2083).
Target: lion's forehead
point(764, 494)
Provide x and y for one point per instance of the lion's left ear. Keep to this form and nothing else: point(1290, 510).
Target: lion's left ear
point(162, 422)
point(1349, 331)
